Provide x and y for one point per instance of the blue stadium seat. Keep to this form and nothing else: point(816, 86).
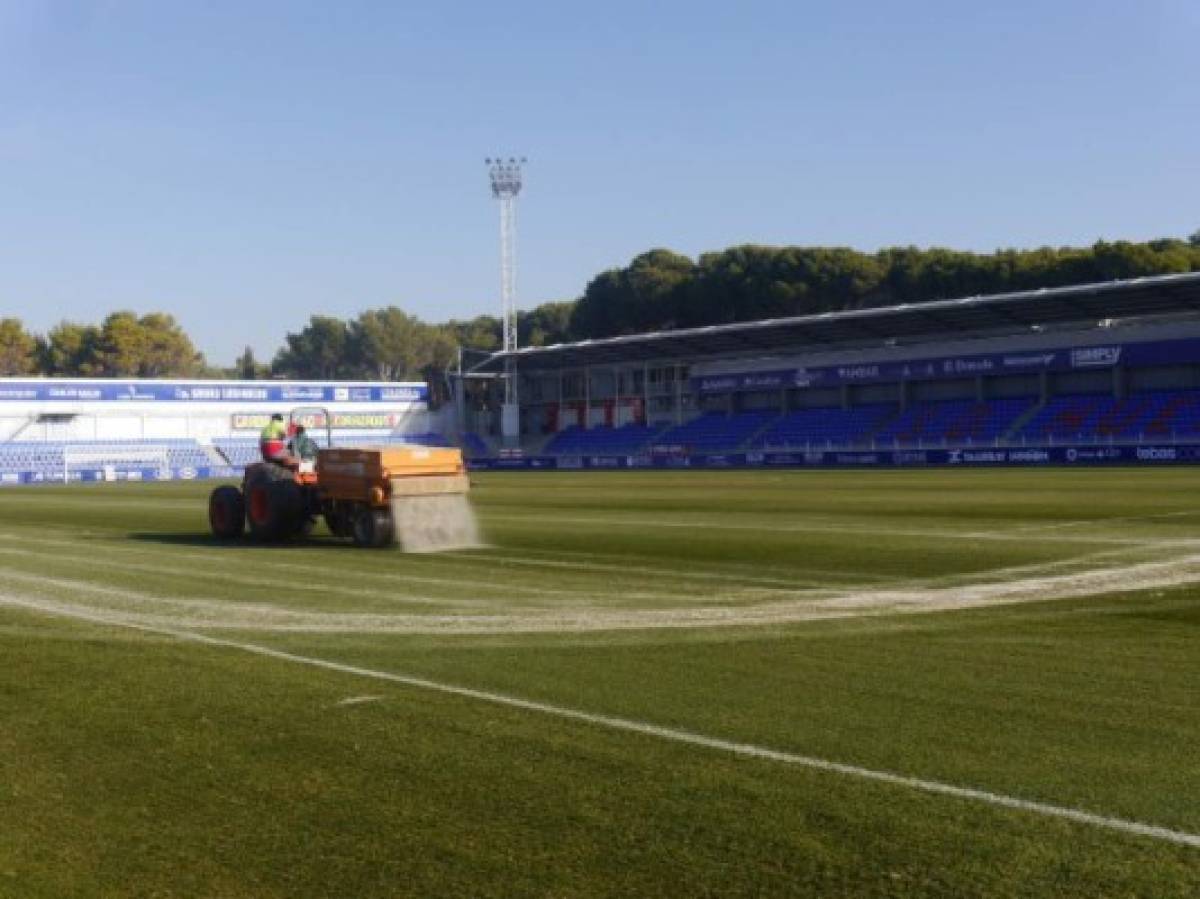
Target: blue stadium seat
point(823, 428)
point(630, 438)
point(716, 432)
point(955, 422)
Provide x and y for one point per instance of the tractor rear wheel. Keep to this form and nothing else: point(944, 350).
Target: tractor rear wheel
point(226, 513)
point(339, 520)
point(372, 527)
point(274, 509)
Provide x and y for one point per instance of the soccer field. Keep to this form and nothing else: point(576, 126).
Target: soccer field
point(847, 683)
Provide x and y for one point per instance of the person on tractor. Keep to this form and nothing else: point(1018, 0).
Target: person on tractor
point(303, 447)
point(273, 441)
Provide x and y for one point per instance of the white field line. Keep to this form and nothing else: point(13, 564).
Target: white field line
point(1082, 562)
point(675, 735)
point(617, 568)
point(784, 528)
point(728, 566)
point(565, 595)
point(782, 582)
point(580, 603)
point(358, 700)
point(90, 503)
point(222, 558)
point(130, 606)
point(1117, 519)
point(224, 577)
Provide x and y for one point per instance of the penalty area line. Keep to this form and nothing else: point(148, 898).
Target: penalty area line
point(675, 735)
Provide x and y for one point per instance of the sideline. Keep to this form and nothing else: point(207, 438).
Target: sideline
point(745, 750)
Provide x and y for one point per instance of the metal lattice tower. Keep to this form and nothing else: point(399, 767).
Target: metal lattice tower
point(506, 184)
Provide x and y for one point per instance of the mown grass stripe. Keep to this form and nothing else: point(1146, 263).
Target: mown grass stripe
point(643, 728)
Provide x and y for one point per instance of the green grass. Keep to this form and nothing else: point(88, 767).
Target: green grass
point(136, 763)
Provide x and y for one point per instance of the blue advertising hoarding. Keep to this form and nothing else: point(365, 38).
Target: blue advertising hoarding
point(1081, 455)
point(974, 457)
point(1163, 352)
point(52, 390)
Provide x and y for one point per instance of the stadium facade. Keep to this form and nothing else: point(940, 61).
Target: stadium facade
point(1104, 372)
point(56, 429)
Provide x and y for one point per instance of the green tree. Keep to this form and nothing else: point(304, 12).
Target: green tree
point(153, 346)
point(546, 324)
point(68, 350)
point(246, 368)
point(645, 295)
point(167, 351)
point(18, 348)
point(479, 333)
point(389, 344)
point(319, 350)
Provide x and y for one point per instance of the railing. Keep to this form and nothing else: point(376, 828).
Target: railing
point(1081, 439)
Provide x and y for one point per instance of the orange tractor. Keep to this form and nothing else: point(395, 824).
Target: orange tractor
point(414, 496)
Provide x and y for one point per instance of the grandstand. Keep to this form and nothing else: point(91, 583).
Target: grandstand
point(1116, 362)
point(74, 429)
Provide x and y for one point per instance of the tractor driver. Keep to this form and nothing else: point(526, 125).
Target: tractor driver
point(273, 441)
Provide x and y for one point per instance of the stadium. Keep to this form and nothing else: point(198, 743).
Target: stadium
point(1035, 377)
point(714, 639)
point(1089, 374)
point(814, 516)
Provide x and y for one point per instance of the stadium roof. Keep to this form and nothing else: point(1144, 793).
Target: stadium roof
point(1012, 313)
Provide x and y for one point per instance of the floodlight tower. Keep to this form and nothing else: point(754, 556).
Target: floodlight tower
point(505, 175)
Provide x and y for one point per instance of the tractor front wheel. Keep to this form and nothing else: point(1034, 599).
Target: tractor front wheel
point(372, 527)
point(274, 509)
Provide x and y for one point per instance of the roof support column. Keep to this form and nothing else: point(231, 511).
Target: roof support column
point(645, 393)
point(678, 370)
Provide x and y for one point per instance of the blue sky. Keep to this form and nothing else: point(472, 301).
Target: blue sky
point(244, 165)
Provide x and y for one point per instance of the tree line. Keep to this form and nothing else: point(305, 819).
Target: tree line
point(123, 345)
point(658, 290)
point(661, 290)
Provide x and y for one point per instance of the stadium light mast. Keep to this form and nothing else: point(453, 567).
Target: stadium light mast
point(506, 179)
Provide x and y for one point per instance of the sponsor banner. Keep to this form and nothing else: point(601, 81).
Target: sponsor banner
point(759, 380)
point(673, 462)
point(52, 390)
point(119, 473)
point(721, 460)
point(256, 421)
point(606, 461)
point(1064, 456)
point(515, 462)
point(1163, 352)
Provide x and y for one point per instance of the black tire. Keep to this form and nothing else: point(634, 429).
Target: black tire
point(339, 522)
point(274, 509)
point(226, 513)
point(372, 528)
